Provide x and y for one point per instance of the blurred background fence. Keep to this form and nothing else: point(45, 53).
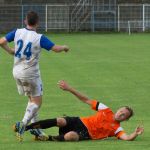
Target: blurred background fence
point(78, 15)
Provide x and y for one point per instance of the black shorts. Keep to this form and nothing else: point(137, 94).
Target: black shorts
point(76, 125)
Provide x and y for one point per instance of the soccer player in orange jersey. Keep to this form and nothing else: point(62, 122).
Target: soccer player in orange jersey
point(102, 125)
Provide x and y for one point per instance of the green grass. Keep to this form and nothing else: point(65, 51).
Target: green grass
point(113, 68)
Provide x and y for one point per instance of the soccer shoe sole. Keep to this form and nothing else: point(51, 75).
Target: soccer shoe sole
point(37, 136)
point(40, 138)
point(18, 136)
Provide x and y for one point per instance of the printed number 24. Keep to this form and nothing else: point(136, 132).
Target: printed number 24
point(26, 52)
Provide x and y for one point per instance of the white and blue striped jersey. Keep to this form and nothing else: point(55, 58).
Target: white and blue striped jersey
point(28, 45)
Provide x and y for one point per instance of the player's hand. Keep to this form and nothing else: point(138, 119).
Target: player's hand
point(66, 48)
point(64, 85)
point(139, 130)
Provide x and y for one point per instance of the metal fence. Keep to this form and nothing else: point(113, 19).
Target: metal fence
point(122, 17)
point(52, 17)
point(134, 17)
point(104, 17)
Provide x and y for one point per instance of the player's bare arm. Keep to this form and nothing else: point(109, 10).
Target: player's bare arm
point(65, 86)
point(138, 131)
point(60, 48)
point(3, 44)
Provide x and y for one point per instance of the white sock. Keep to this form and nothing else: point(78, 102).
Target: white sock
point(34, 118)
point(31, 109)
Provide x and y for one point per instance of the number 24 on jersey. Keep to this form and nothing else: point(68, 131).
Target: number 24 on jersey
point(26, 51)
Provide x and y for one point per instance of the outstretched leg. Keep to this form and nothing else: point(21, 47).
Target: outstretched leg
point(48, 123)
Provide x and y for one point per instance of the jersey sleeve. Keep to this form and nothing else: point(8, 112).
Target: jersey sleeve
point(46, 43)
point(10, 36)
point(95, 105)
point(119, 132)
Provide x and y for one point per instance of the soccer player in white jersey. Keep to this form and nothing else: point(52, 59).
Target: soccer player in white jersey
point(28, 45)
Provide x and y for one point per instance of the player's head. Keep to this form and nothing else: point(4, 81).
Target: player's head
point(32, 18)
point(123, 113)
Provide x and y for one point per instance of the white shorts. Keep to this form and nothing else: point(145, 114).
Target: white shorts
point(30, 87)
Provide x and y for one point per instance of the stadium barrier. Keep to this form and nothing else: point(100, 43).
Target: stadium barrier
point(122, 17)
point(134, 18)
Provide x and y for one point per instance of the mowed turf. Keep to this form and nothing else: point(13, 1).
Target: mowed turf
point(112, 68)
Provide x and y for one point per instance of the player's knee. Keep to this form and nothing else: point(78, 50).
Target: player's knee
point(37, 100)
point(61, 122)
point(71, 136)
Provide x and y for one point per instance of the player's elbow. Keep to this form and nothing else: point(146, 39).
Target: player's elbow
point(2, 41)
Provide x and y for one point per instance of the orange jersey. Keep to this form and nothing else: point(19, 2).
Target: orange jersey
point(102, 124)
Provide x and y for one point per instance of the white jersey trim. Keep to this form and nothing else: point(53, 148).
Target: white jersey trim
point(101, 106)
point(118, 130)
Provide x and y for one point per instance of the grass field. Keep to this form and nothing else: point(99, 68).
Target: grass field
point(113, 68)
